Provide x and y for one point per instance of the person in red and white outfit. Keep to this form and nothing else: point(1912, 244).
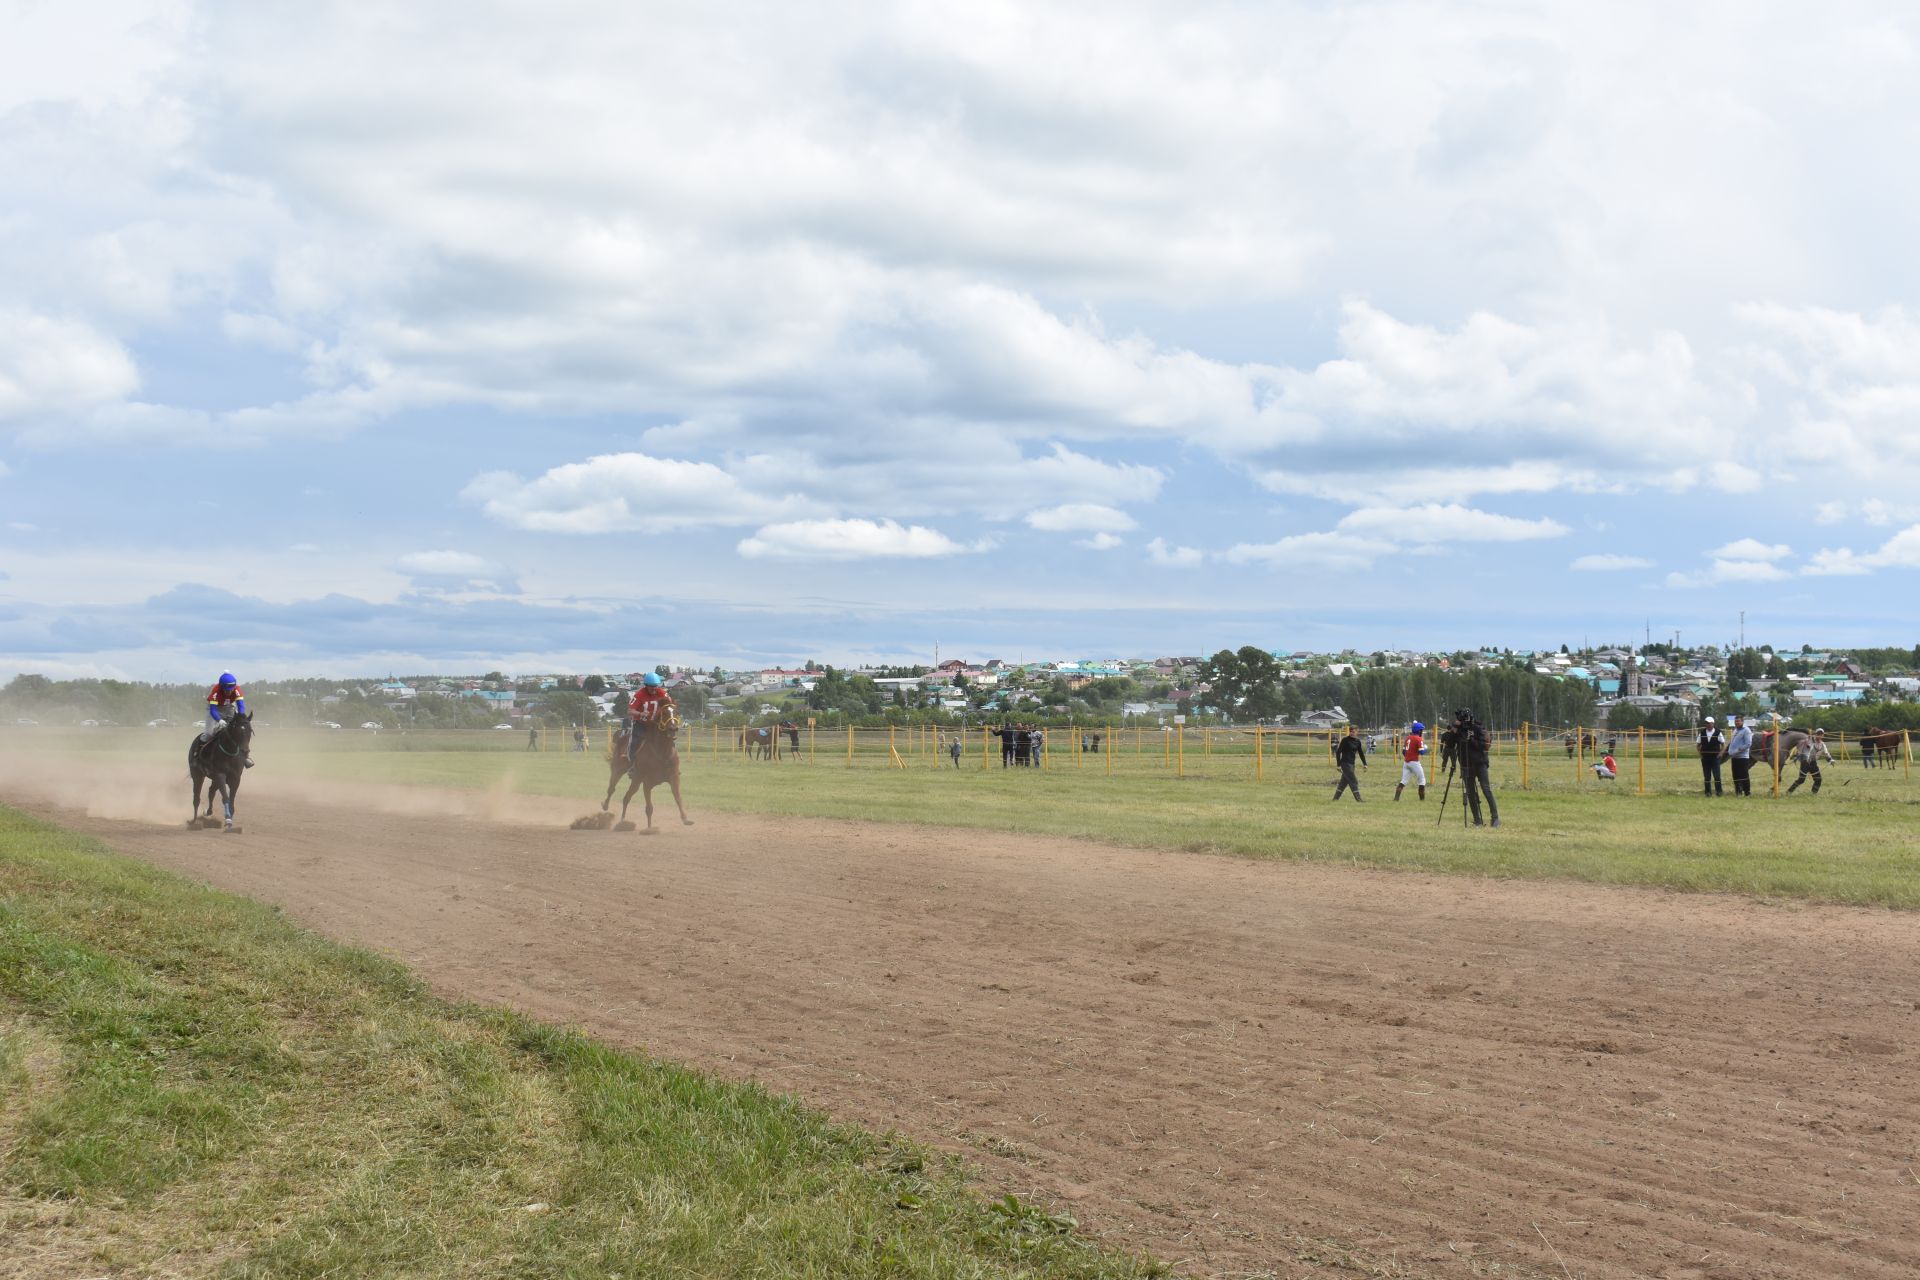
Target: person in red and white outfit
point(1411, 769)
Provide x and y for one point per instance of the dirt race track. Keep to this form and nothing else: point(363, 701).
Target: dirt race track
point(1247, 1068)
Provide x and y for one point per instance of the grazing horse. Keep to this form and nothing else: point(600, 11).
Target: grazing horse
point(655, 762)
point(219, 762)
point(1879, 742)
point(758, 743)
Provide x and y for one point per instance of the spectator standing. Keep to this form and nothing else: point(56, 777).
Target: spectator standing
point(1350, 752)
point(1740, 750)
point(953, 749)
point(1712, 745)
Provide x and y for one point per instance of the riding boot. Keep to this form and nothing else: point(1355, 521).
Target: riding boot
point(1423, 791)
point(1398, 788)
point(249, 760)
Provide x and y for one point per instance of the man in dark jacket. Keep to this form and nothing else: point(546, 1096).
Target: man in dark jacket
point(1473, 746)
point(1351, 751)
point(1712, 744)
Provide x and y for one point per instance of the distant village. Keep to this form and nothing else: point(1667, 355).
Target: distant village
point(1655, 686)
point(1658, 680)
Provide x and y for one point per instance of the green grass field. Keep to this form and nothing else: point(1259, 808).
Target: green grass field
point(191, 1086)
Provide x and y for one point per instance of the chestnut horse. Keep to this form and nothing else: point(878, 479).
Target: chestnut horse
point(656, 762)
point(1879, 742)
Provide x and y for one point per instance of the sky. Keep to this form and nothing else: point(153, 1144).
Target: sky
point(347, 339)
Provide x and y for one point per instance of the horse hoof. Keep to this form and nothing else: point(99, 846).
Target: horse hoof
point(651, 831)
point(625, 826)
point(686, 822)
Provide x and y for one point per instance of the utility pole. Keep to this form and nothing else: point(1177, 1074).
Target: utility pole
point(1743, 628)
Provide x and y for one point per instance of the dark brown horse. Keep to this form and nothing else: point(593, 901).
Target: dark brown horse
point(220, 762)
point(759, 743)
point(1583, 742)
point(1877, 743)
point(655, 762)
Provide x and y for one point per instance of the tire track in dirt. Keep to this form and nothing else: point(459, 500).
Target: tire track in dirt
point(1238, 1065)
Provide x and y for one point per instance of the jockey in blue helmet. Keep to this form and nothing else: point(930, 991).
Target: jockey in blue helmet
point(224, 701)
point(650, 700)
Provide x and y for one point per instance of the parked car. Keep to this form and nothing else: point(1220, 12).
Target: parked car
point(503, 726)
point(23, 720)
point(162, 723)
point(327, 724)
point(371, 724)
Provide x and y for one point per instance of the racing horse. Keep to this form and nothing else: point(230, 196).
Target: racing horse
point(219, 762)
point(758, 743)
point(656, 761)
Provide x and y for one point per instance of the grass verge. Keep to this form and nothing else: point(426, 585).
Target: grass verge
point(191, 1086)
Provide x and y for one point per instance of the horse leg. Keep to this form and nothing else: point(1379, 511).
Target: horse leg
point(627, 799)
point(646, 799)
point(613, 780)
point(673, 785)
point(193, 815)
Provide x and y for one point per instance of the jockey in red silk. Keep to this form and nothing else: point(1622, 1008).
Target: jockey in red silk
point(226, 693)
point(650, 701)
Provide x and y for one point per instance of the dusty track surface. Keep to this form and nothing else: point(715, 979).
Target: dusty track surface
point(1248, 1068)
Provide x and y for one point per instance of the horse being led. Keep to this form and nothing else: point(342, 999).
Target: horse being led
point(655, 762)
point(759, 743)
point(220, 762)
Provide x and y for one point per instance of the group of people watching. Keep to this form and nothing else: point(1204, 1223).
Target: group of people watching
point(1467, 742)
point(1739, 747)
point(1021, 746)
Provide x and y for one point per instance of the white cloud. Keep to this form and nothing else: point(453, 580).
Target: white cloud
point(1901, 551)
point(1606, 563)
point(458, 568)
point(1081, 517)
point(1436, 522)
point(1830, 512)
point(1100, 542)
point(52, 367)
point(1325, 551)
point(1751, 549)
point(850, 540)
point(625, 492)
point(1163, 553)
point(1722, 571)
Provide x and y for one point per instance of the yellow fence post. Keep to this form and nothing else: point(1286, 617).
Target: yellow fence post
point(849, 744)
point(1579, 754)
point(1643, 759)
point(1109, 751)
point(1906, 769)
point(1259, 764)
point(1180, 738)
point(1525, 754)
point(1777, 735)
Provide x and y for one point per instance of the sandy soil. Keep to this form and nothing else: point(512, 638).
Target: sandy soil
point(1248, 1068)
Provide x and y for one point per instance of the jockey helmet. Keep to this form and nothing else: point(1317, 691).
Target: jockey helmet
point(651, 680)
point(1418, 727)
point(226, 677)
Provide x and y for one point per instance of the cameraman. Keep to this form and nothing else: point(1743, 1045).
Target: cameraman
point(1473, 747)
